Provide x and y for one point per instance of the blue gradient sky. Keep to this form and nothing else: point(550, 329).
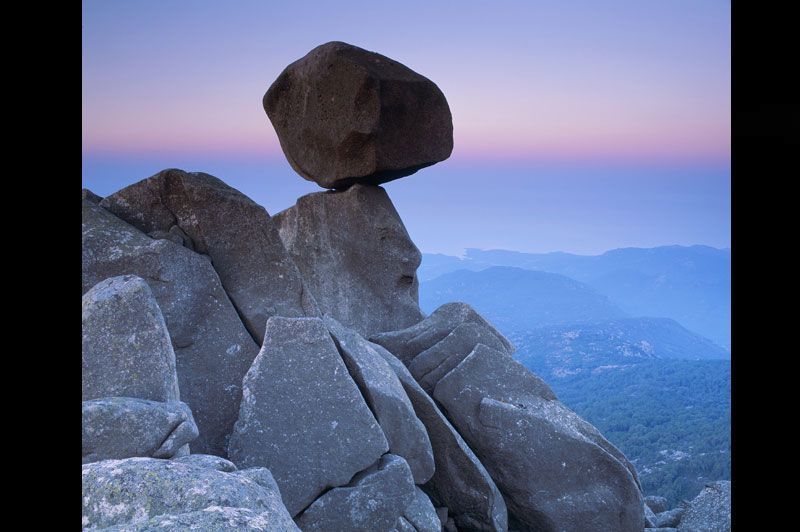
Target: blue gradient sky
point(579, 126)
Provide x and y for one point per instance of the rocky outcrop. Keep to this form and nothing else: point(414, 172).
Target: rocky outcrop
point(213, 349)
point(710, 511)
point(126, 350)
point(668, 518)
point(421, 514)
point(302, 415)
point(160, 430)
point(208, 461)
point(134, 491)
point(656, 503)
point(87, 194)
point(375, 499)
point(344, 115)
point(355, 256)
point(203, 213)
point(555, 470)
point(213, 518)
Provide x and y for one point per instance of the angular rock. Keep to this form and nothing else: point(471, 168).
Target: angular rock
point(135, 490)
point(668, 518)
point(407, 343)
point(437, 361)
point(214, 518)
point(355, 256)
point(710, 511)
point(87, 194)
point(649, 517)
point(345, 115)
point(556, 471)
point(387, 399)
point(421, 513)
point(374, 500)
point(459, 482)
point(209, 461)
point(656, 503)
point(126, 350)
point(213, 350)
point(402, 525)
point(200, 211)
point(302, 416)
point(261, 476)
point(124, 427)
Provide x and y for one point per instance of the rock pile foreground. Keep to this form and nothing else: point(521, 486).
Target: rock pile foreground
point(248, 372)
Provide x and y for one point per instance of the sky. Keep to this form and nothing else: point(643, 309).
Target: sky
point(579, 126)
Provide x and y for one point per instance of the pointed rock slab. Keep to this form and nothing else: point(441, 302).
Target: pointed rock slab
point(124, 427)
point(355, 256)
point(407, 343)
point(710, 511)
point(435, 362)
point(374, 500)
point(133, 491)
point(557, 472)
point(126, 350)
point(213, 350)
point(234, 231)
point(344, 115)
point(87, 194)
point(387, 399)
point(302, 416)
point(459, 482)
point(215, 518)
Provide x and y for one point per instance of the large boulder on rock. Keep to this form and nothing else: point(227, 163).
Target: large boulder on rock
point(213, 350)
point(459, 482)
point(235, 232)
point(344, 115)
point(123, 427)
point(355, 256)
point(710, 511)
point(213, 518)
point(387, 399)
point(302, 415)
point(135, 490)
point(557, 472)
point(126, 350)
point(407, 343)
point(374, 500)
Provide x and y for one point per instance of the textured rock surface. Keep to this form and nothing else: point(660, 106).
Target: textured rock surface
point(421, 514)
point(126, 350)
point(214, 518)
point(649, 517)
point(213, 349)
point(710, 511)
point(556, 471)
point(656, 503)
point(374, 500)
point(134, 490)
point(302, 415)
point(346, 115)
point(459, 482)
point(387, 399)
point(355, 256)
point(407, 343)
point(123, 427)
point(87, 194)
point(668, 518)
point(234, 231)
point(209, 461)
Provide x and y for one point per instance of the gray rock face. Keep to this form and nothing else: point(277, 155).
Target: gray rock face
point(460, 482)
point(407, 343)
point(87, 194)
point(209, 461)
point(668, 518)
point(135, 490)
point(387, 399)
point(213, 349)
point(421, 514)
point(234, 231)
point(710, 511)
point(123, 427)
point(656, 503)
point(345, 115)
point(126, 350)
point(556, 471)
point(214, 518)
point(437, 361)
point(374, 500)
point(302, 416)
point(355, 256)
point(649, 517)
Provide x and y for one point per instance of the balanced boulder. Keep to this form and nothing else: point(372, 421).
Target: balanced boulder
point(213, 350)
point(236, 233)
point(355, 256)
point(302, 416)
point(345, 115)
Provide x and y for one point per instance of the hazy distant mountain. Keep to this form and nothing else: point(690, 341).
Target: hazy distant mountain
point(688, 284)
point(514, 299)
